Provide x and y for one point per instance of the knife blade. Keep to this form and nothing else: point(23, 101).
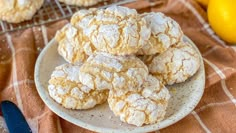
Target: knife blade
point(15, 120)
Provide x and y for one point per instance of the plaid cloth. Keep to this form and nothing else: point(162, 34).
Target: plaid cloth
point(216, 111)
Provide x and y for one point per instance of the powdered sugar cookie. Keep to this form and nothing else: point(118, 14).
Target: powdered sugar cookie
point(176, 64)
point(80, 2)
point(146, 106)
point(15, 11)
point(70, 45)
point(116, 30)
point(66, 89)
point(119, 73)
point(165, 32)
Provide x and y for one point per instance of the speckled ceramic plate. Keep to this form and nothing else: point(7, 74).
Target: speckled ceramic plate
point(184, 98)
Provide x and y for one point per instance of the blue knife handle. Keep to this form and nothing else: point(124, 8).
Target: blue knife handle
point(15, 120)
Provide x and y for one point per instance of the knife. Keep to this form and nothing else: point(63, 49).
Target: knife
point(15, 120)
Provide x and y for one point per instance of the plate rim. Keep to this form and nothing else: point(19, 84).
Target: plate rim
point(41, 91)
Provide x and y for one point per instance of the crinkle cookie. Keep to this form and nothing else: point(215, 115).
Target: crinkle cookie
point(165, 32)
point(175, 65)
point(15, 11)
point(80, 2)
point(119, 73)
point(70, 45)
point(146, 106)
point(66, 89)
point(115, 30)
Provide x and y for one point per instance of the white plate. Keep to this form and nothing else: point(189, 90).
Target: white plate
point(183, 100)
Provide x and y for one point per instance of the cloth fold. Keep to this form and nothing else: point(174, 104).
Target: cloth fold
point(215, 112)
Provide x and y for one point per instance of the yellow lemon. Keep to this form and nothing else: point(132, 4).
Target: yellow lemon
point(222, 18)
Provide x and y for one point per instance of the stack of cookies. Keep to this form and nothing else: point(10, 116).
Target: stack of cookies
point(125, 58)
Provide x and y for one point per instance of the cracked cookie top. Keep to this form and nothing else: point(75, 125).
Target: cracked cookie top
point(176, 64)
point(146, 106)
point(66, 89)
point(15, 11)
point(80, 2)
point(116, 30)
point(119, 73)
point(165, 32)
point(70, 46)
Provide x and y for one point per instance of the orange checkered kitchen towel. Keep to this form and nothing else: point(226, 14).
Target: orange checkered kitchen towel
point(216, 111)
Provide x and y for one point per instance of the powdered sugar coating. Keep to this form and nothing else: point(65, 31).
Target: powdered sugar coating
point(175, 65)
point(116, 30)
point(165, 32)
point(15, 11)
point(70, 47)
point(118, 73)
point(80, 2)
point(146, 106)
point(65, 88)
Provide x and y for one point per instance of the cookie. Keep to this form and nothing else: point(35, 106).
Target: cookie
point(66, 89)
point(119, 73)
point(70, 45)
point(146, 106)
point(165, 32)
point(80, 2)
point(116, 30)
point(175, 65)
point(16, 11)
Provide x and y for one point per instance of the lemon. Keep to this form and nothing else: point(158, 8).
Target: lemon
point(222, 15)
